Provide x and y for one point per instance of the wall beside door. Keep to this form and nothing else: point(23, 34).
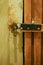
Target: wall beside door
point(11, 52)
point(4, 32)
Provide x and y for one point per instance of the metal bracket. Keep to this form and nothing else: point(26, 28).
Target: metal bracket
point(31, 26)
point(26, 26)
point(17, 27)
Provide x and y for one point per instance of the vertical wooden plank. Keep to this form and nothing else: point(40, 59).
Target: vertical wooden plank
point(32, 48)
point(37, 49)
point(27, 11)
point(37, 36)
point(27, 48)
point(27, 35)
point(42, 48)
point(16, 16)
point(4, 33)
point(38, 13)
point(42, 38)
point(32, 33)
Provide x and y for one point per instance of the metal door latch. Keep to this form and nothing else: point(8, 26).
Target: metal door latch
point(17, 27)
point(26, 26)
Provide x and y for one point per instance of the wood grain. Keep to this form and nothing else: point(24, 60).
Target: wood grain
point(27, 35)
point(37, 36)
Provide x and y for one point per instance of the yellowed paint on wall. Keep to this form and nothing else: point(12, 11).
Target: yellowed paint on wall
point(11, 52)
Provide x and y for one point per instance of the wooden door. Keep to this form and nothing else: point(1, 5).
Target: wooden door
point(37, 36)
point(27, 35)
point(11, 47)
point(33, 44)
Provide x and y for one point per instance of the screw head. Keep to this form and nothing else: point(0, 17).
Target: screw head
point(28, 28)
point(21, 28)
point(33, 21)
point(18, 25)
point(38, 28)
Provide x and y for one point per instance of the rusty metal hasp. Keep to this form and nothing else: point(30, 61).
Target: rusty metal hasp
point(26, 26)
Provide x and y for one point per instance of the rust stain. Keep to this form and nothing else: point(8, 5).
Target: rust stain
point(15, 16)
point(13, 11)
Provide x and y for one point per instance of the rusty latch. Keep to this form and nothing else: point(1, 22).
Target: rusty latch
point(26, 26)
point(16, 28)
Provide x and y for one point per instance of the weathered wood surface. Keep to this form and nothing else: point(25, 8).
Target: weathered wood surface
point(37, 36)
point(27, 35)
point(11, 52)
